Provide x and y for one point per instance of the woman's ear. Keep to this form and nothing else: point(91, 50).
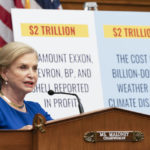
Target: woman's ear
point(3, 73)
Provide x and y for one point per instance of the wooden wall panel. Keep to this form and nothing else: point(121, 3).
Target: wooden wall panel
point(125, 5)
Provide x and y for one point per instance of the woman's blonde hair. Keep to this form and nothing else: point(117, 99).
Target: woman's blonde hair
point(11, 51)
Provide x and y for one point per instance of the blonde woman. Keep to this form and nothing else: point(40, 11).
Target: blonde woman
point(18, 77)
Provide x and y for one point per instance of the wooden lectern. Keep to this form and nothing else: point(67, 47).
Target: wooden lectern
point(109, 129)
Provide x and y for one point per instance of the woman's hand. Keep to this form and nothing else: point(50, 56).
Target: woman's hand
point(27, 127)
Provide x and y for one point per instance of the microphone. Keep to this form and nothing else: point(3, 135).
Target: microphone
point(81, 109)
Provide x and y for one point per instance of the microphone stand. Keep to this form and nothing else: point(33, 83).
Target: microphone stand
point(80, 106)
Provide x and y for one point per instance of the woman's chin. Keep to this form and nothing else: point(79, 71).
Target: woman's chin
point(26, 91)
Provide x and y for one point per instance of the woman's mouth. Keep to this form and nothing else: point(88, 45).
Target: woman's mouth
point(29, 83)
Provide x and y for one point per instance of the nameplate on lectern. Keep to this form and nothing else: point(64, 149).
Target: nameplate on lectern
point(115, 136)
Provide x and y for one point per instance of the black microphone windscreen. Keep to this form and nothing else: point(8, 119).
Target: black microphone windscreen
point(51, 92)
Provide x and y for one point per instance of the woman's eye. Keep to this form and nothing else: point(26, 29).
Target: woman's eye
point(23, 67)
point(35, 68)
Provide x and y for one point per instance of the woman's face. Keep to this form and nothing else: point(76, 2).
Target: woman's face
point(22, 74)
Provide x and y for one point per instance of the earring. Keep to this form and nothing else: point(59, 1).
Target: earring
point(6, 82)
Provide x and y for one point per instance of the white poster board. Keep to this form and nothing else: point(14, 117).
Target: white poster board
point(124, 54)
point(68, 58)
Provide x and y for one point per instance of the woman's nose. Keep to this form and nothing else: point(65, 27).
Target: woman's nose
point(31, 73)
